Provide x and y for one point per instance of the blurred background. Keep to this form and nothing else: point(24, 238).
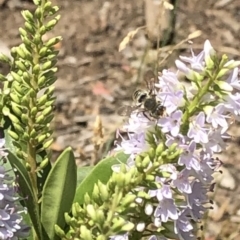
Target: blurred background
point(95, 79)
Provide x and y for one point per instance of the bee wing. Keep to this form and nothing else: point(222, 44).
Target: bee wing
point(149, 78)
point(125, 110)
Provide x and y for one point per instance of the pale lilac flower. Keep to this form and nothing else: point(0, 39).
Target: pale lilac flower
point(180, 140)
point(207, 168)
point(11, 220)
point(197, 129)
point(134, 145)
point(217, 117)
point(119, 237)
point(171, 124)
point(137, 123)
point(196, 61)
point(183, 226)
point(198, 196)
point(161, 193)
point(169, 82)
point(153, 237)
point(166, 209)
point(216, 141)
point(189, 158)
point(182, 182)
point(171, 169)
point(233, 79)
point(172, 100)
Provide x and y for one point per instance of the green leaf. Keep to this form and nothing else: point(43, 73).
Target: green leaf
point(9, 144)
point(82, 173)
point(102, 172)
point(26, 192)
point(58, 192)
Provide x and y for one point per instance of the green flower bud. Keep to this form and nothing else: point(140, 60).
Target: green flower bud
point(47, 6)
point(38, 12)
point(40, 119)
point(59, 231)
point(44, 163)
point(18, 127)
point(159, 149)
point(24, 118)
point(13, 118)
point(23, 32)
point(104, 191)
point(21, 66)
point(36, 69)
point(118, 224)
point(34, 111)
point(86, 234)
point(46, 65)
point(15, 97)
point(25, 137)
point(42, 30)
point(47, 111)
point(53, 10)
point(91, 212)
point(33, 134)
point(100, 217)
point(28, 167)
point(138, 161)
point(30, 28)
point(52, 23)
point(16, 109)
point(43, 51)
point(28, 16)
point(101, 237)
point(16, 76)
point(47, 144)
point(53, 41)
point(13, 135)
point(128, 200)
point(37, 39)
point(145, 163)
point(5, 58)
point(67, 218)
point(128, 227)
point(224, 86)
point(41, 81)
point(232, 64)
point(41, 138)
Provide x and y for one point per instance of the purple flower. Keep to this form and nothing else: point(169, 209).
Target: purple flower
point(182, 182)
point(233, 79)
point(171, 124)
point(119, 237)
point(189, 158)
point(169, 82)
point(197, 131)
point(172, 100)
point(183, 226)
point(11, 220)
point(166, 209)
point(198, 196)
point(217, 116)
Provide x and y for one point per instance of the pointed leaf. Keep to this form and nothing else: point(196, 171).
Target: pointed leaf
point(102, 172)
point(26, 192)
point(58, 192)
point(82, 173)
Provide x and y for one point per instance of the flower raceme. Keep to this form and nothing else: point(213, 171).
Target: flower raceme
point(178, 175)
point(11, 220)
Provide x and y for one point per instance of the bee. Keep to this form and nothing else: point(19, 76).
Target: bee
point(145, 101)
